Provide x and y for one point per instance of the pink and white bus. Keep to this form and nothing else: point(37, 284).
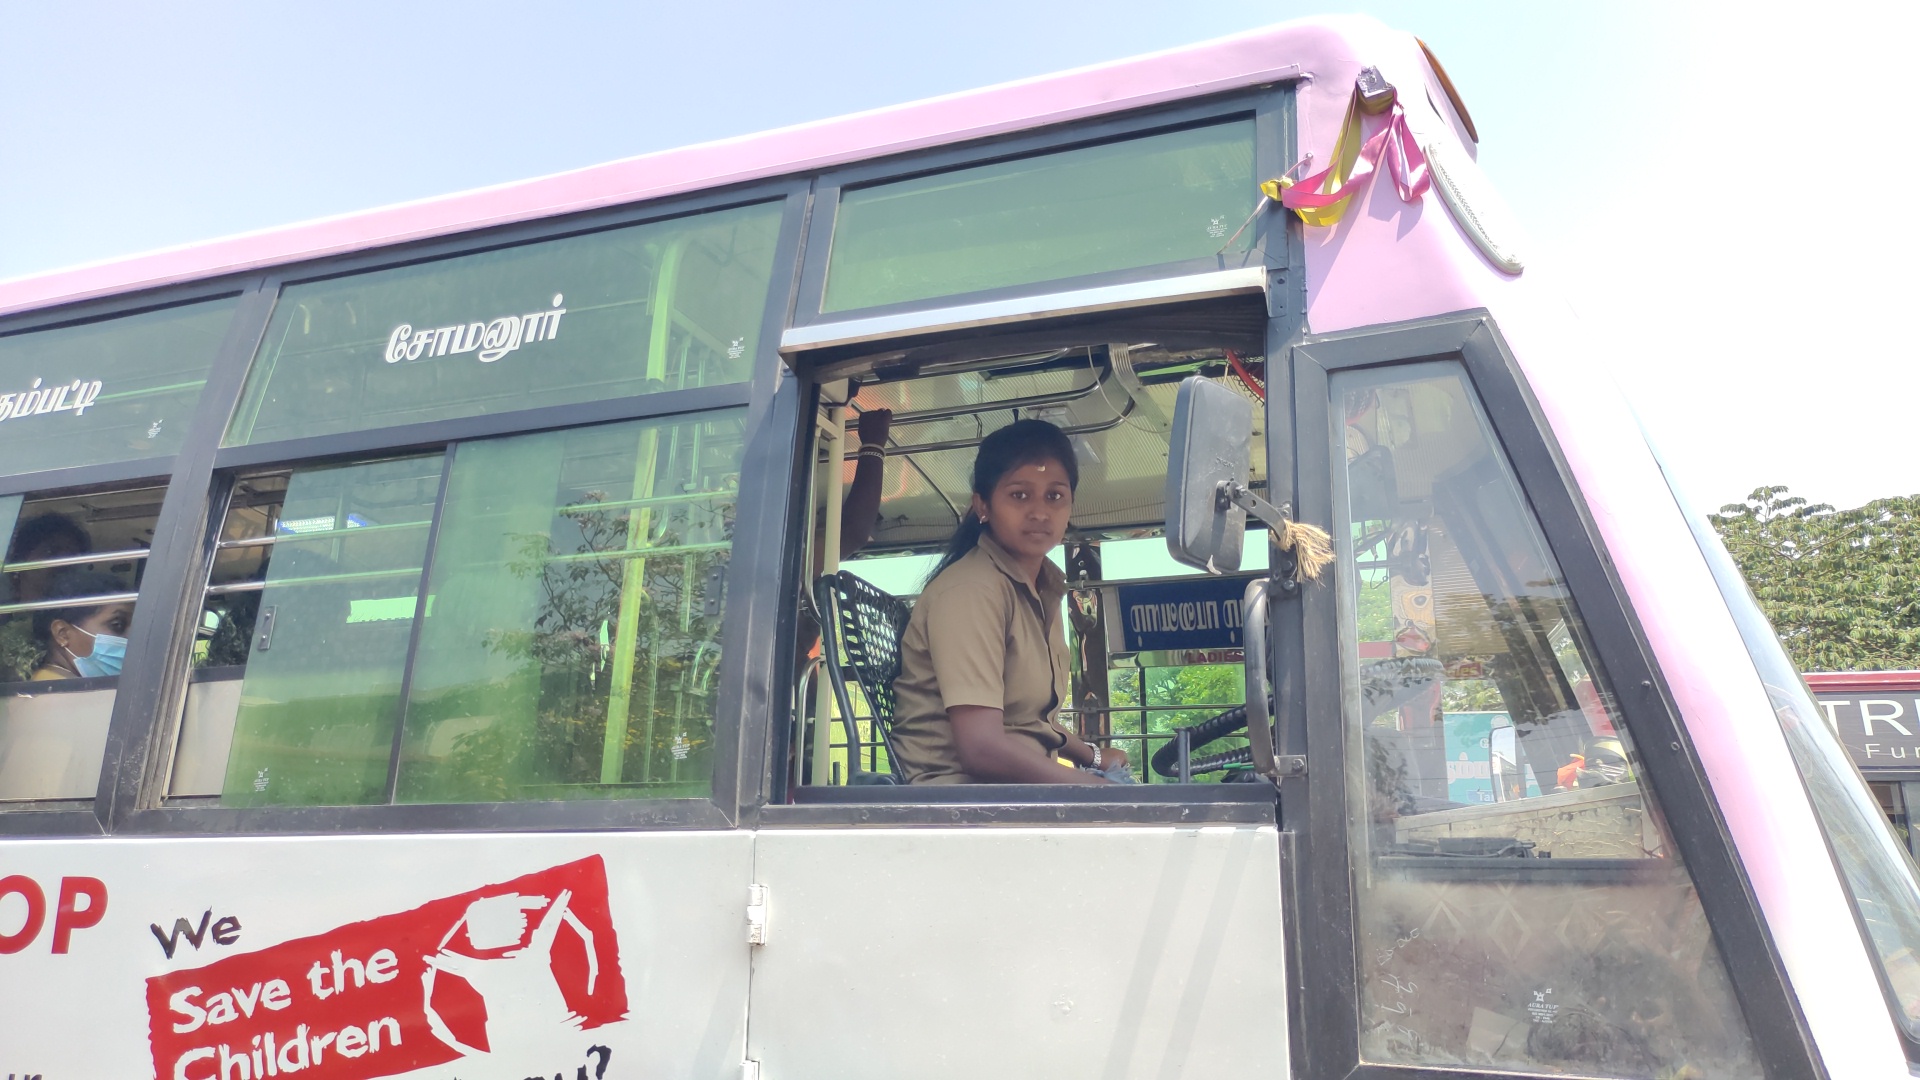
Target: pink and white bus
point(406, 617)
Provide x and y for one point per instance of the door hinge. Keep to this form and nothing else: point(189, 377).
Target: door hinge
point(756, 925)
point(750, 1069)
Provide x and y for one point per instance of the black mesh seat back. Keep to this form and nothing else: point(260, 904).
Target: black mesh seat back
point(867, 626)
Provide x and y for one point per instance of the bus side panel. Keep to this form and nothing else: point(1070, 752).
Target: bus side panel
point(1017, 952)
point(351, 957)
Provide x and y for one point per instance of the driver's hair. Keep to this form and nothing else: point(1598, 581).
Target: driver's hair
point(1023, 442)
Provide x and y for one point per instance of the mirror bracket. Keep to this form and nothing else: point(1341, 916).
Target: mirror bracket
point(1286, 565)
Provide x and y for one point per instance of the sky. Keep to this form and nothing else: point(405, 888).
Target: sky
point(1719, 188)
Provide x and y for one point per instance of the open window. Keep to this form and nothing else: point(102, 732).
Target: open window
point(1141, 663)
point(73, 567)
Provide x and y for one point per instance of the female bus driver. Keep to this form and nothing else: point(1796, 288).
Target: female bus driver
point(983, 663)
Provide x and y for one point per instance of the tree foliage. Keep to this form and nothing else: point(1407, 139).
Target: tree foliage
point(1842, 587)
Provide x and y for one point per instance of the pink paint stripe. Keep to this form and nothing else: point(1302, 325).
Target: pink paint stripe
point(1269, 55)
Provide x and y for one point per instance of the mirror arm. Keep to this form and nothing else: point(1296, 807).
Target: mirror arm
point(1277, 519)
point(1234, 493)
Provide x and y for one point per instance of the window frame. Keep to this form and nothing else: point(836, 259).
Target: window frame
point(1277, 247)
point(1270, 109)
point(1646, 706)
point(118, 473)
point(136, 770)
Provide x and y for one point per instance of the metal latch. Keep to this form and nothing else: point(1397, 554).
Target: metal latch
point(756, 919)
point(264, 625)
point(750, 1069)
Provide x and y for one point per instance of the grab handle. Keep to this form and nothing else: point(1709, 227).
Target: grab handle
point(1262, 732)
point(1253, 629)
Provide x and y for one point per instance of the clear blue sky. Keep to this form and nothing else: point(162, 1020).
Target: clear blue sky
point(1673, 163)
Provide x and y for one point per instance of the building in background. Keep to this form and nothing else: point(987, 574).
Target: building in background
point(1877, 716)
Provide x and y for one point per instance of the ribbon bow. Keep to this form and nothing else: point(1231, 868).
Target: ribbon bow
point(1323, 198)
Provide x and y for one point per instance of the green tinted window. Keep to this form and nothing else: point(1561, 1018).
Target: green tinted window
point(324, 642)
point(115, 390)
point(1160, 199)
point(662, 306)
point(573, 644)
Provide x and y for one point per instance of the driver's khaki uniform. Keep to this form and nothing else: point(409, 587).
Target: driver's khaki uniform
point(980, 635)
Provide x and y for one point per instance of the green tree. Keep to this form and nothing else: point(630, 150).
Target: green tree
point(1842, 587)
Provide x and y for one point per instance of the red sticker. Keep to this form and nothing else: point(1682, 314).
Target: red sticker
point(510, 970)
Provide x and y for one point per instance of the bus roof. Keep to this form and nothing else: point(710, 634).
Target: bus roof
point(1284, 51)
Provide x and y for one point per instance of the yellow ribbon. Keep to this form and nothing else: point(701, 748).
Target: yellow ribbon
point(1346, 153)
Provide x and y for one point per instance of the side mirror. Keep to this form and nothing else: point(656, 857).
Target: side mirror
point(1210, 453)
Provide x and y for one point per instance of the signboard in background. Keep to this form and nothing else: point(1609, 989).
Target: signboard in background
point(1876, 714)
point(1190, 613)
point(1469, 744)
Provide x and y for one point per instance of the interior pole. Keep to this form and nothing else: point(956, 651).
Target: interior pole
point(833, 433)
point(633, 570)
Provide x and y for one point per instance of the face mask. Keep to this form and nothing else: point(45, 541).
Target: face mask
point(109, 652)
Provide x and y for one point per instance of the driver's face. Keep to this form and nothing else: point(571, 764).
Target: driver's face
point(1029, 510)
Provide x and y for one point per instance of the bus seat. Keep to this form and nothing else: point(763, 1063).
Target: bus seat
point(861, 628)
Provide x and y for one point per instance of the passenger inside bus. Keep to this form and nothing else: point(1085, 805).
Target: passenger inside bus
point(46, 536)
point(984, 659)
point(75, 560)
point(87, 639)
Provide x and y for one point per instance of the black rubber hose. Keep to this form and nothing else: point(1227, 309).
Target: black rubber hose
point(1166, 760)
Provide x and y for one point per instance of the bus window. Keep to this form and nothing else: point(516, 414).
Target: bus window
point(622, 312)
point(575, 648)
point(1518, 904)
point(304, 634)
point(118, 389)
point(567, 644)
point(71, 579)
point(1133, 676)
point(1159, 199)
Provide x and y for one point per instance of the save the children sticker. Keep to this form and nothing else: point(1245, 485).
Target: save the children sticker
point(497, 973)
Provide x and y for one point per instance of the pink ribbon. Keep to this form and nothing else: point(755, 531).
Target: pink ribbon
point(1406, 162)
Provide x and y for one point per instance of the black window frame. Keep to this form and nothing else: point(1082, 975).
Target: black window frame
point(1277, 247)
point(131, 799)
point(1317, 802)
point(1270, 110)
point(135, 773)
point(153, 470)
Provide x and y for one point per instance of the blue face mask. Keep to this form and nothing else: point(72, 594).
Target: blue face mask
point(109, 652)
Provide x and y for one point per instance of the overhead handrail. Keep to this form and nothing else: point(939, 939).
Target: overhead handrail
point(963, 444)
point(70, 602)
point(1104, 374)
point(129, 555)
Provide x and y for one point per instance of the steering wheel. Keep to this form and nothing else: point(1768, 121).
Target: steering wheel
point(1166, 760)
point(1385, 684)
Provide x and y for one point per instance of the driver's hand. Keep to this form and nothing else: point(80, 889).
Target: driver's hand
point(874, 425)
point(1112, 757)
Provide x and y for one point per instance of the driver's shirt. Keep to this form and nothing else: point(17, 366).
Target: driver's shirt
point(980, 635)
